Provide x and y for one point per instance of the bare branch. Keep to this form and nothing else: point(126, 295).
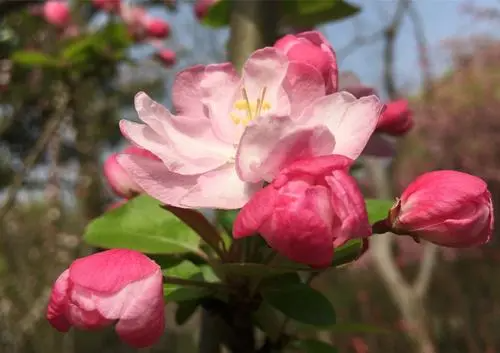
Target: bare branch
point(49, 130)
point(390, 34)
point(425, 270)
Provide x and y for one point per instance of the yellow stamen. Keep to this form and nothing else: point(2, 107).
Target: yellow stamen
point(252, 110)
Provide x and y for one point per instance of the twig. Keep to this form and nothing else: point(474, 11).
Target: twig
point(390, 35)
point(425, 270)
point(193, 283)
point(50, 128)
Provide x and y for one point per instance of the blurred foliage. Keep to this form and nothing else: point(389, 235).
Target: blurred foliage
point(295, 13)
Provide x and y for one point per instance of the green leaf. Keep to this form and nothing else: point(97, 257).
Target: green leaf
point(34, 59)
point(77, 50)
point(309, 13)
point(218, 15)
point(378, 209)
point(185, 310)
point(313, 346)
point(305, 7)
point(347, 253)
point(178, 293)
point(226, 219)
point(142, 225)
point(301, 303)
point(268, 321)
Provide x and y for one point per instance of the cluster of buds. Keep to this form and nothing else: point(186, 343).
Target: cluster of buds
point(141, 26)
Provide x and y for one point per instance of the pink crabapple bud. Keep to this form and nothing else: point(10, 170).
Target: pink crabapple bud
point(57, 13)
point(396, 119)
point(201, 8)
point(445, 207)
point(118, 179)
point(310, 208)
point(313, 49)
point(114, 286)
point(167, 57)
point(157, 28)
point(107, 5)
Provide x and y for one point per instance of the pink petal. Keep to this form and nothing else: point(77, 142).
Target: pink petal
point(301, 229)
point(434, 195)
point(271, 143)
point(255, 213)
point(313, 167)
point(156, 180)
point(82, 310)
point(186, 92)
point(221, 188)
point(186, 145)
point(267, 68)
point(351, 120)
point(320, 40)
point(56, 310)
point(118, 179)
point(220, 87)
point(303, 85)
point(139, 307)
point(349, 206)
point(117, 268)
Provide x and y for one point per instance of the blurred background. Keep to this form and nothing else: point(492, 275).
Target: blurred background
point(69, 72)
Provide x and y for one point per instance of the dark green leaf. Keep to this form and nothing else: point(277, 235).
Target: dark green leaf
point(378, 209)
point(313, 346)
point(268, 320)
point(185, 310)
point(34, 59)
point(306, 7)
point(142, 225)
point(177, 293)
point(309, 13)
point(301, 303)
point(218, 15)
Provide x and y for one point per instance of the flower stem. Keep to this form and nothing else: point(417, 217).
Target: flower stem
point(193, 283)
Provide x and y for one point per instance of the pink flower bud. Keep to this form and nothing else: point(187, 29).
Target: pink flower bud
point(119, 180)
point(201, 8)
point(396, 119)
point(167, 57)
point(119, 285)
point(311, 207)
point(107, 5)
point(446, 207)
point(313, 49)
point(157, 28)
point(56, 13)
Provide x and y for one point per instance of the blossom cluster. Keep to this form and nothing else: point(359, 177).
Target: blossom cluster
point(141, 26)
point(276, 141)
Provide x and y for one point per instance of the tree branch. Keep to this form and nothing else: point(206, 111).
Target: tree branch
point(425, 270)
point(49, 130)
point(390, 35)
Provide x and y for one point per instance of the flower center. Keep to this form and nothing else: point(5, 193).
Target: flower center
point(245, 110)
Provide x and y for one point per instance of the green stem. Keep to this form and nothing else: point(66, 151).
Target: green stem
point(194, 283)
